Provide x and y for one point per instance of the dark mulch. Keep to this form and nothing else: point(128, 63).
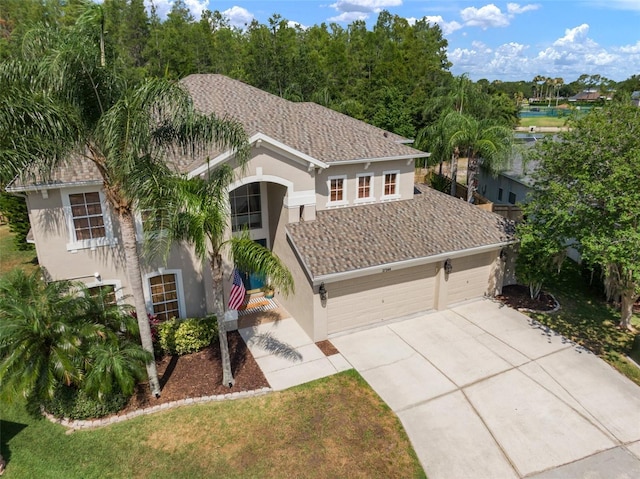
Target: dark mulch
point(517, 296)
point(200, 374)
point(327, 348)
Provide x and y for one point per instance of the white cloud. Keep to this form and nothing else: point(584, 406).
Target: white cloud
point(484, 17)
point(238, 17)
point(348, 17)
point(446, 27)
point(362, 6)
point(573, 36)
point(351, 10)
point(631, 5)
point(633, 49)
point(514, 8)
point(294, 24)
point(163, 7)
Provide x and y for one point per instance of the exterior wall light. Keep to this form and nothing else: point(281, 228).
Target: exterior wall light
point(323, 292)
point(448, 267)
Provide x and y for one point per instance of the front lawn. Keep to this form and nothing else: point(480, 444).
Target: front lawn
point(333, 427)
point(10, 257)
point(586, 318)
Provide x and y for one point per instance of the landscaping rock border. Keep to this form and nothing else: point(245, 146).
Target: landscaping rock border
point(555, 309)
point(73, 424)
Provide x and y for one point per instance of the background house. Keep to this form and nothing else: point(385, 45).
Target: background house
point(332, 196)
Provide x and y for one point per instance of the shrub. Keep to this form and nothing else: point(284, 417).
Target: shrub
point(74, 403)
point(185, 336)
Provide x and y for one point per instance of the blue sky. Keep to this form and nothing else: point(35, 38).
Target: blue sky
point(497, 41)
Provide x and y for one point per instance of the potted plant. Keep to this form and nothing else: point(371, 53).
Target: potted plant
point(268, 290)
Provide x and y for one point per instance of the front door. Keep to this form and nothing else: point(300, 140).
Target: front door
point(253, 281)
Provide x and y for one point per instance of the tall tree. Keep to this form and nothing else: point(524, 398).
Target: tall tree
point(128, 133)
point(198, 213)
point(587, 186)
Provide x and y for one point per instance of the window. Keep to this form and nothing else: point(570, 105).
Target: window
point(164, 289)
point(512, 198)
point(246, 207)
point(337, 190)
point(87, 219)
point(390, 185)
point(365, 186)
point(105, 293)
point(499, 194)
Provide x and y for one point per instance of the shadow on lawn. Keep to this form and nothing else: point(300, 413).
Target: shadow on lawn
point(8, 430)
point(585, 317)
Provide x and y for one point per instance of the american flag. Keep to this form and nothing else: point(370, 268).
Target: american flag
point(236, 297)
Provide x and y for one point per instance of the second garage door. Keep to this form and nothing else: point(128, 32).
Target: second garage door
point(371, 299)
point(470, 277)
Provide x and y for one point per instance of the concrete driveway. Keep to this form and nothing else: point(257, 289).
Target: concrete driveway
point(484, 392)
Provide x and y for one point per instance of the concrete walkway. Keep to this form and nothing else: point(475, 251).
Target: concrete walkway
point(287, 356)
point(484, 392)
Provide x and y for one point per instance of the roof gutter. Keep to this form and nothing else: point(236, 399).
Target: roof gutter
point(385, 268)
point(51, 186)
point(376, 160)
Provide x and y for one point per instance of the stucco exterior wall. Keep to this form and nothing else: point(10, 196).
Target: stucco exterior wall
point(52, 236)
point(404, 168)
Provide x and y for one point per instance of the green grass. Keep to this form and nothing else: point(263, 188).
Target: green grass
point(586, 318)
point(333, 427)
point(543, 121)
point(10, 257)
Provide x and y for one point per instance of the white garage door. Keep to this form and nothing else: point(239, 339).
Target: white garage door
point(371, 299)
point(470, 277)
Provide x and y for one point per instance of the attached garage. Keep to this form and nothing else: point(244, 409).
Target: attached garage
point(469, 277)
point(378, 297)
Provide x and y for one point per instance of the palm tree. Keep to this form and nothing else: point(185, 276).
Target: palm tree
point(485, 141)
point(60, 102)
point(39, 341)
point(199, 214)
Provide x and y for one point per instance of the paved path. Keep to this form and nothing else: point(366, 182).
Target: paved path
point(484, 392)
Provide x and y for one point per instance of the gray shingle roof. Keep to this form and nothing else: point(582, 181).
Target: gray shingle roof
point(312, 129)
point(319, 132)
point(431, 223)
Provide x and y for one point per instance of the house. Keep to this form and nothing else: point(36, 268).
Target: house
point(635, 98)
point(591, 96)
point(332, 196)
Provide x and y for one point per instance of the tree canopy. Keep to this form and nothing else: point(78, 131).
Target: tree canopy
point(587, 191)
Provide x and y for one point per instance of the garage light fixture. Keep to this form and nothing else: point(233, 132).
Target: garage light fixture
point(323, 292)
point(448, 267)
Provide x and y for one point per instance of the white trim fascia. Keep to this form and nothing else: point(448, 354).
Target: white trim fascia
point(260, 140)
point(260, 179)
point(300, 198)
point(53, 186)
point(382, 268)
point(377, 160)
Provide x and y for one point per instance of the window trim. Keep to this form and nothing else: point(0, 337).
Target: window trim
point(117, 286)
point(74, 244)
point(179, 286)
point(395, 195)
point(344, 200)
point(371, 197)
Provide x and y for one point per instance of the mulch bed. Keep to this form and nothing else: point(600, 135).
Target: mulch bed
point(200, 374)
point(517, 296)
point(327, 348)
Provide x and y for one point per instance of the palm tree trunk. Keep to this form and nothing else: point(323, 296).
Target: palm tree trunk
point(629, 297)
point(218, 309)
point(454, 171)
point(471, 177)
point(128, 232)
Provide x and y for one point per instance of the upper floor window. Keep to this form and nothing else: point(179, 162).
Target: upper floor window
point(512, 198)
point(246, 207)
point(87, 219)
point(390, 186)
point(337, 190)
point(365, 186)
